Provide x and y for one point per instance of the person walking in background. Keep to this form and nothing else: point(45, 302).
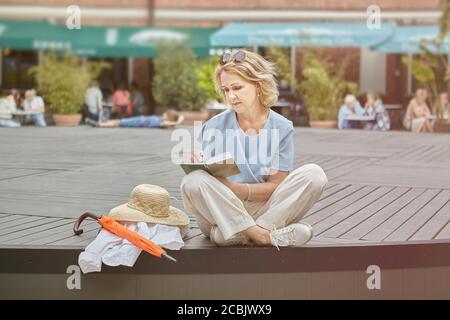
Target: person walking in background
point(34, 103)
point(94, 103)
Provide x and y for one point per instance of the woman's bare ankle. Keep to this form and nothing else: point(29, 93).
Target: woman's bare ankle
point(259, 236)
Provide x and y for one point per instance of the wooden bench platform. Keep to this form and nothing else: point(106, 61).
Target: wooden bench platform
point(387, 204)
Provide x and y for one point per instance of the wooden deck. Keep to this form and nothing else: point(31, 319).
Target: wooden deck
point(387, 192)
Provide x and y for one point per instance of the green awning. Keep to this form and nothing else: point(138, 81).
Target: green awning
point(100, 41)
point(301, 34)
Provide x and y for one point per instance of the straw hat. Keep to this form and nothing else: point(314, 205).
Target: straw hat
point(150, 203)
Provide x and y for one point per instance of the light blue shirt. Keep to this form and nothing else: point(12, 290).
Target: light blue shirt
point(344, 111)
point(255, 155)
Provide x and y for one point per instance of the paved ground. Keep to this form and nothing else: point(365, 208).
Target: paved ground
point(383, 186)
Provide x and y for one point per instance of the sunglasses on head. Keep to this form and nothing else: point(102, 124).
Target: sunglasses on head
point(238, 57)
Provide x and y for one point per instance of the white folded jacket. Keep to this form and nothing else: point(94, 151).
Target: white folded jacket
point(113, 250)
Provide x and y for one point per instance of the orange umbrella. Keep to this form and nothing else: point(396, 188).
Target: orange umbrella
point(116, 228)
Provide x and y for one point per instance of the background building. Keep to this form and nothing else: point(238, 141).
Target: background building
point(382, 72)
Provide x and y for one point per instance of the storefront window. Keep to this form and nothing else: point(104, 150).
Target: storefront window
point(15, 66)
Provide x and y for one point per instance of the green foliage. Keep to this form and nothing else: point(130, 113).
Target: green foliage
point(422, 71)
point(175, 84)
point(63, 80)
point(430, 68)
point(205, 76)
point(323, 87)
point(282, 59)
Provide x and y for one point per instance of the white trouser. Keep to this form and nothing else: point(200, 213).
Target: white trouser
point(213, 203)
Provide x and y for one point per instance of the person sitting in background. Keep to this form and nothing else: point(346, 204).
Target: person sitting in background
point(14, 96)
point(33, 103)
point(94, 103)
point(7, 107)
point(121, 101)
point(169, 119)
point(445, 105)
point(374, 107)
point(137, 100)
point(418, 116)
point(350, 106)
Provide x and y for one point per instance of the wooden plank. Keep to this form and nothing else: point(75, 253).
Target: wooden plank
point(351, 222)
point(430, 154)
point(334, 198)
point(359, 231)
point(332, 190)
point(443, 156)
point(407, 230)
point(349, 167)
point(12, 217)
point(5, 227)
point(395, 221)
point(412, 153)
point(29, 225)
point(82, 240)
point(347, 201)
point(434, 225)
point(444, 233)
point(62, 235)
point(406, 175)
point(35, 229)
point(39, 237)
point(350, 210)
point(327, 240)
point(13, 173)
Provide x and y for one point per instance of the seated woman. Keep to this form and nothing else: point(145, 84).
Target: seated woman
point(444, 105)
point(34, 103)
point(418, 115)
point(351, 106)
point(374, 107)
point(169, 119)
point(262, 205)
point(7, 107)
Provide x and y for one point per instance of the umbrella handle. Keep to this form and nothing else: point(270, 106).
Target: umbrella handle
point(76, 226)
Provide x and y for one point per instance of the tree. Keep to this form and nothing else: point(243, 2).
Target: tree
point(175, 84)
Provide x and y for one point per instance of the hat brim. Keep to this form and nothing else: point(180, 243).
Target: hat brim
point(125, 213)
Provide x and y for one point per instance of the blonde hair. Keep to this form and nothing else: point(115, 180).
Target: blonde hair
point(254, 69)
point(171, 115)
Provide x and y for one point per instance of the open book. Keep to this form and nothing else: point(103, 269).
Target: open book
point(222, 165)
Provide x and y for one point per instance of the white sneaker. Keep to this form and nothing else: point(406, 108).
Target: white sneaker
point(237, 240)
point(295, 234)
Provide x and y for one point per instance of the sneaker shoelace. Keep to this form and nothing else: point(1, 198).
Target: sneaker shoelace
point(278, 240)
